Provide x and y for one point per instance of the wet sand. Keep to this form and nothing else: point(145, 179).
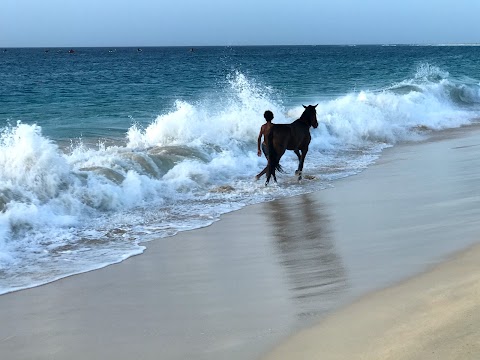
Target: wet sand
point(245, 284)
point(432, 316)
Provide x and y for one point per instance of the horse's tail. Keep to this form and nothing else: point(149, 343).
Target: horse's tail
point(273, 158)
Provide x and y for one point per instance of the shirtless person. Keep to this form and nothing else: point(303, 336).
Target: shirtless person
point(268, 115)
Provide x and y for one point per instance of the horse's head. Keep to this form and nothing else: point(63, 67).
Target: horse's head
point(310, 115)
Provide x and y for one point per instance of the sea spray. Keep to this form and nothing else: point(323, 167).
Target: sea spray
point(235, 118)
point(391, 115)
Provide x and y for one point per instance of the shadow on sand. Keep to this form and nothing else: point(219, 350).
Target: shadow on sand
point(307, 253)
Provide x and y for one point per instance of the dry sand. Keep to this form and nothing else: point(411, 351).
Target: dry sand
point(235, 289)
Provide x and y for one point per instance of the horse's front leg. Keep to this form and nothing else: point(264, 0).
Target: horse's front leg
point(297, 152)
point(300, 164)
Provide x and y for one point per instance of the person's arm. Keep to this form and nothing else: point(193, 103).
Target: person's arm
point(259, 152)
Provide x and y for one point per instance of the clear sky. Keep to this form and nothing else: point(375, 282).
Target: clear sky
point(69, 23)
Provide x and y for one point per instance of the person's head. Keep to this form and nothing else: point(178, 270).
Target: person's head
point(268, 115)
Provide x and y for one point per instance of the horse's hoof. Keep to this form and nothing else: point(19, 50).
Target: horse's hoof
point(266, 183)
point(296, 172)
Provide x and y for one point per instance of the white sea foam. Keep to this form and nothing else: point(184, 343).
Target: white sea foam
point(63, 213)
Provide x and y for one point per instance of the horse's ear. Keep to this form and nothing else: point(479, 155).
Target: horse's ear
point(304, 106)
point(316, 105)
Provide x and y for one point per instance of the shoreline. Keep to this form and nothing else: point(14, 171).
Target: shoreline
point(238, 287)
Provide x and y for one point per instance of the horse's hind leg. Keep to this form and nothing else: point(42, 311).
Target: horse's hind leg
point(259, 175)
point(268, 175)
point(268, 178)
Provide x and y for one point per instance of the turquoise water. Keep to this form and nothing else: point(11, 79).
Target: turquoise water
point(99, 92)
point(102, 148)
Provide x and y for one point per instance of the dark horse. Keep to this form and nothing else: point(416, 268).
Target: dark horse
point(294, 136)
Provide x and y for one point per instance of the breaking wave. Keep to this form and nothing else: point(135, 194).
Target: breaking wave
point(65, 211)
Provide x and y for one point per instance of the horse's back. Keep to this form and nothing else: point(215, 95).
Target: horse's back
point(300, 136)
point(281, 133)
point(281, 129)
point(291, 136)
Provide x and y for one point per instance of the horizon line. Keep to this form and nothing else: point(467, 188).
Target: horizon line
point(244, 45)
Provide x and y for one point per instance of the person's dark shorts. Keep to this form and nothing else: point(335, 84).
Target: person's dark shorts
point(265, 150)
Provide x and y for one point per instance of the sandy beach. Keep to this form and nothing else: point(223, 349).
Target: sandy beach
point(374, 267)
point(432, 316)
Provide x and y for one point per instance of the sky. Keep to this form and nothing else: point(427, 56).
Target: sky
point(75, 23)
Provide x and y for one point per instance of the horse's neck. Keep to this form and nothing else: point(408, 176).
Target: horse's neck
point(302, 121)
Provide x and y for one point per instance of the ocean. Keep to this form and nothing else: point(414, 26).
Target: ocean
point(103, 149)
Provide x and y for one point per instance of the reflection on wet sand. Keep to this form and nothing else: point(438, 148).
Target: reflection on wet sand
point(307, 252)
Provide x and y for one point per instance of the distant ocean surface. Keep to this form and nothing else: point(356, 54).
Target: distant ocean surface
point(104, 148)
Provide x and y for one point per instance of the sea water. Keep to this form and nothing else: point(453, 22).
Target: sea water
point(104, 148)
